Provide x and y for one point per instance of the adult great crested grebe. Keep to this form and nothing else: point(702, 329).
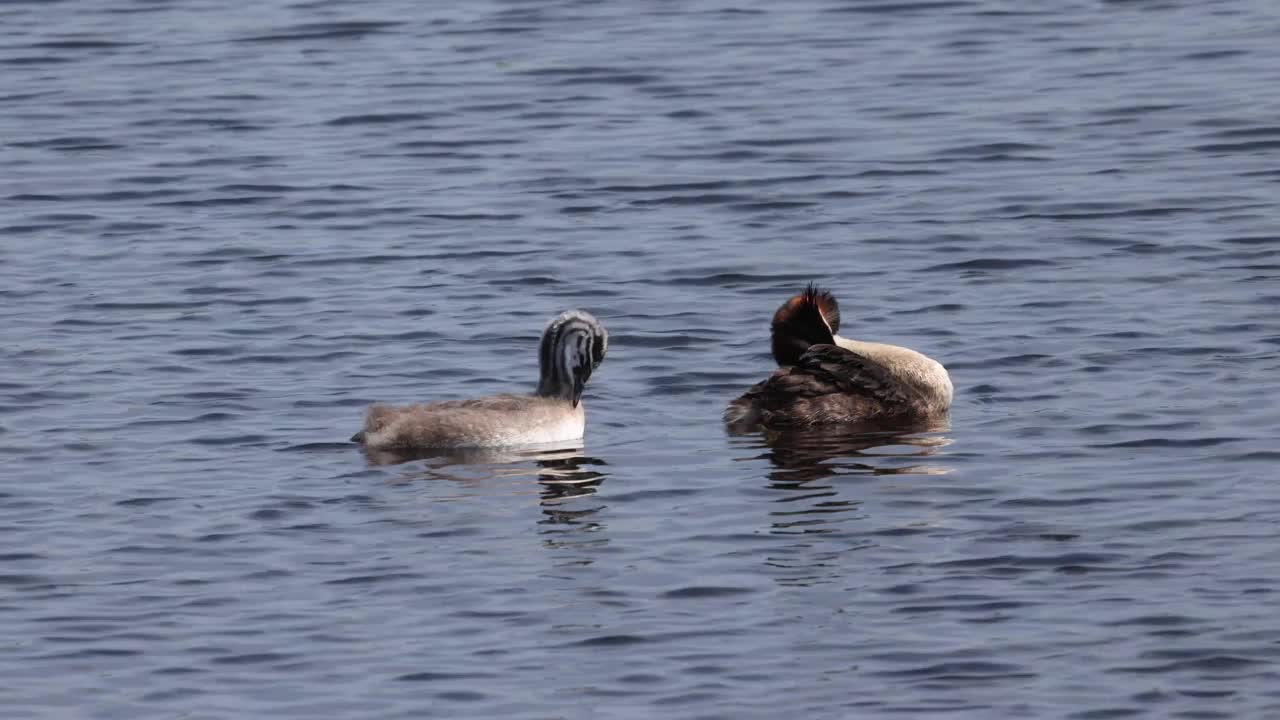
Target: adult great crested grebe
point(572, 346)
point(826, 379)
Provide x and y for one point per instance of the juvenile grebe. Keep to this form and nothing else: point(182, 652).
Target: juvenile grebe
point(572, 346)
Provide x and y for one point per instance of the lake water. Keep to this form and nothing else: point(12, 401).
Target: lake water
point(226, 228)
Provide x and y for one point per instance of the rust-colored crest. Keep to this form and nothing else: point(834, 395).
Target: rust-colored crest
point(810, 318)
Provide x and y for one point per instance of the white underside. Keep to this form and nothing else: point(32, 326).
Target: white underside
point(568, 429)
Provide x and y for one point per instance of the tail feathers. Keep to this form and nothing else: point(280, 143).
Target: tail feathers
point(745, 410)
point(358, 437)
point(741, 412)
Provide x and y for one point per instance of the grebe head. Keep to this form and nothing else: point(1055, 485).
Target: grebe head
point(573, 345)
point(810, 318)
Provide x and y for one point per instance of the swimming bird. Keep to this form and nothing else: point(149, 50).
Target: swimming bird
point(825, 379)
point(572, 347)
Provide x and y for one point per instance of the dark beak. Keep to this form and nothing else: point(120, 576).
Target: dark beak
point(580, 376)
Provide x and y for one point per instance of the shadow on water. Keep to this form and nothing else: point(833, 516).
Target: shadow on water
point(813, 513)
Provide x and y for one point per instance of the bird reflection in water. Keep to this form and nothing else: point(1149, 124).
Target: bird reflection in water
point(800, 456)
point(563, 474)
point(810, 467)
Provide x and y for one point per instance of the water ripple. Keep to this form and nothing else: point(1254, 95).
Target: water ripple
point(226, 234)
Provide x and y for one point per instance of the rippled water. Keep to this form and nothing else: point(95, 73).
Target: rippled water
point(224, 229)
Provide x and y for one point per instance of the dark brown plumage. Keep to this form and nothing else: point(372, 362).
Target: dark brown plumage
point(810, 318)
point(827, 385)
point(826, 379)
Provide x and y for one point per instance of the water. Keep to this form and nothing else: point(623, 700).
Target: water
point(224, 231)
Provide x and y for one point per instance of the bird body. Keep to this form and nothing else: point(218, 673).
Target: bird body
point(572, 346)
point(824, 378)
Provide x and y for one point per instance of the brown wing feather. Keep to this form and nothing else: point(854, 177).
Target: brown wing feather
point(829, 385)
point(850, 372)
